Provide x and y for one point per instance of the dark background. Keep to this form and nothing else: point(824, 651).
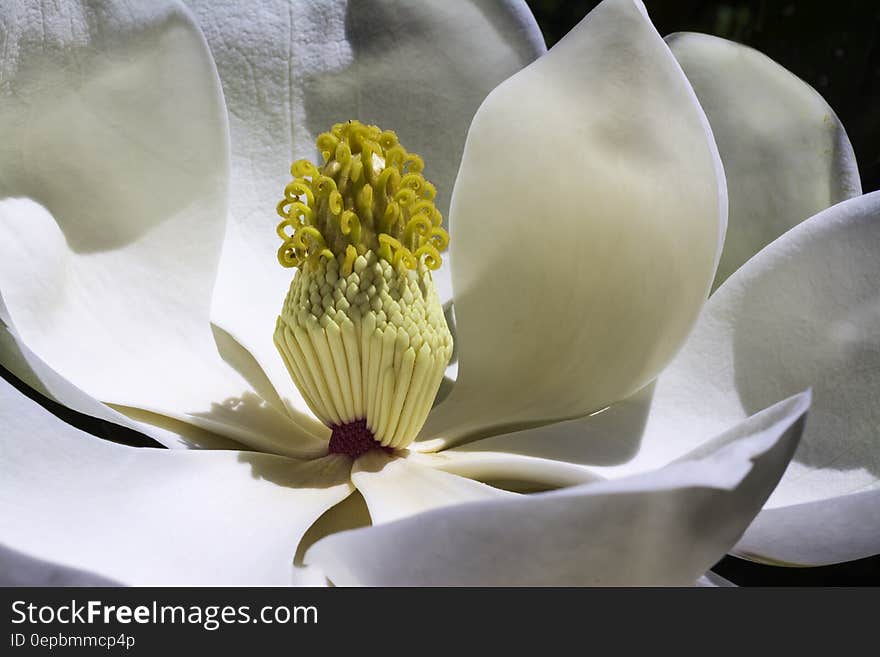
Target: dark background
point(833, 46)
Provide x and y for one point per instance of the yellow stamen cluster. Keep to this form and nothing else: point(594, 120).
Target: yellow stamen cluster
point(369, 195)
point(362, 331)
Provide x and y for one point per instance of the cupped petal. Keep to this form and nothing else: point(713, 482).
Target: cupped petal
point(155, 516)
point(395, 487)
point(803, 312)
point(113, 185)
point(666, 527)
point(290, 70)
point(586, 223)
point(785, 153)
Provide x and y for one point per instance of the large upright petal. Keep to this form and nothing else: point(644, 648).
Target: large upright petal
point(661, 528)
point(785, 153)
point(113, 184)
point(292, 69)
point(156, 516)
point(586, 223)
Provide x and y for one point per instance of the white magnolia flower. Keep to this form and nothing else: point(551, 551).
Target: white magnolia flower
point(143, 147)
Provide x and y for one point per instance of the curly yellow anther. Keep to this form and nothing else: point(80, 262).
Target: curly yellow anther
point(282, 232)
point(388, 139)
point(303, 169)
point(413, 181)
point(369, 149)
point(365, 204)
point(387, 246)
point(335, 202)
point(296, 210)
point(439, 238)
point(356, 171)
point(357, 132)
point(424, 207)
point(413, 163)
point(416, 228)
point(396, 156)
point(343, 153)
point(299, 188)
point(368, 186)
point(309, 239)
point(350, 225)
point(324, 186)
point(405, 257)
point(431, 256)
point(389, 218)
point(405, 197)
point(429, 192)
point(287, 255)
point(281, 208)
point(327, 144)
point(427, 207)
point(388, 181)
point(348, 261)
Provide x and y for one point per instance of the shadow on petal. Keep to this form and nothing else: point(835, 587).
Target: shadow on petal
point(326, 472)
point(243, 362)
point(422, 70)
point(251, 420)
point(605, 438)
point(351, 513)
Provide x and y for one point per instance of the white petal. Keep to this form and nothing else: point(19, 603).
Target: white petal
point(514, 470)
point(351, 513)
point(804, 312)
point(34, 373)
point(785, 153)
point(155, 516)
point(828, 531)
point(586, 222)
point(113, 180)
point(73, 316)
point(711, 580)
point(609, 437)
point(662, 528)
point(19, 569)
point(396, 487)
point(291, 70)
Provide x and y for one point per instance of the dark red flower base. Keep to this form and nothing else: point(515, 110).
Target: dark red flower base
point(353, 439)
